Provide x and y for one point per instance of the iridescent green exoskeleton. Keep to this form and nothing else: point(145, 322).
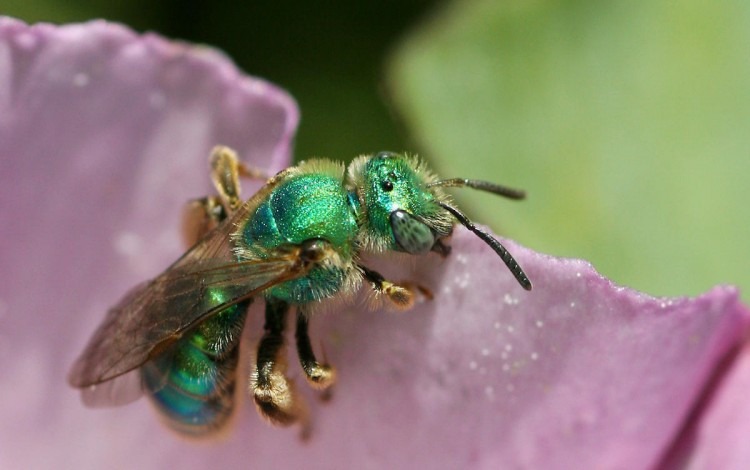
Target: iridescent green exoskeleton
point(297, 242)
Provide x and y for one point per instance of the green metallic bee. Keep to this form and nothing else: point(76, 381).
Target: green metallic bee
point(295, 243)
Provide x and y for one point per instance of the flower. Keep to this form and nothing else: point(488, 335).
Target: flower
point(104, 134)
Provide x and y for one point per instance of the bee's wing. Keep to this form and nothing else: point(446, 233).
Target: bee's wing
point(155, 314)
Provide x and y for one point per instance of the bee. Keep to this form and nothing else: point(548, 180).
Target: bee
point(295, 243)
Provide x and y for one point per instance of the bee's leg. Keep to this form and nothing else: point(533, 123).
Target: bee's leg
point(226, 176)
point(319, 376)
point(274, 394)
point(226, 170)
point(203, 215)
point(400, 294)
point(200, 216)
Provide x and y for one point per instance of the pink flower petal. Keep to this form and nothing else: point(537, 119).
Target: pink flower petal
point(104, 134)
point(578, 373)
point(717, 437)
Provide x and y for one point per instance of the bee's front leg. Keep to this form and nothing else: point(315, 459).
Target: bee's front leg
point(400, 294)
point(319, 376)
point(274, 394)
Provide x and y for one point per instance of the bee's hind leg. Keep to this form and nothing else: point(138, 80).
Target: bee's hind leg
point(274, 394)
point(319, 376)
point(200, 216)
point(226, 170)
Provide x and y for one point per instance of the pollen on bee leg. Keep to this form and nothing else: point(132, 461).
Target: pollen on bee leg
point(404, 294)
point(401, 297)
point(277, 400)
point(274, 394)
point(321, 376)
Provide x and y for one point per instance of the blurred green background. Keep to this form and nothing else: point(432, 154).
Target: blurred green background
point(628, 122)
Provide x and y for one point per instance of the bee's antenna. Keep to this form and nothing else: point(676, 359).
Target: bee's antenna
point(493, 243)
point(493, 188)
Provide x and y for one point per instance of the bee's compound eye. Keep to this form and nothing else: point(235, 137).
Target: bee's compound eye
point(411, 234)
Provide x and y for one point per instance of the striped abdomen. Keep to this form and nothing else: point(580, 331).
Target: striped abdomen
point(193, 383)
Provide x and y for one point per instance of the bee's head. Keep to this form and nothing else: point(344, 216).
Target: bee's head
point(399, 211)
point(402, 207)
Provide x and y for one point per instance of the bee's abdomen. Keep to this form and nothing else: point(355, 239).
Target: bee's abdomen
point(193, 384)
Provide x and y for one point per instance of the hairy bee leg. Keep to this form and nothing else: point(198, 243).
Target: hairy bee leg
point(226, 176)
point(203, 215)
point(319, 376)
point(400, 294)
point(274, 394)
point(226, 170)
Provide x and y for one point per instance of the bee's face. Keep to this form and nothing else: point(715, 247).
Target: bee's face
point(402, 212)
point(393, 183)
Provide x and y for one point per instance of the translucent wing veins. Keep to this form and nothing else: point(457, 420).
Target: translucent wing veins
point(207, 279)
